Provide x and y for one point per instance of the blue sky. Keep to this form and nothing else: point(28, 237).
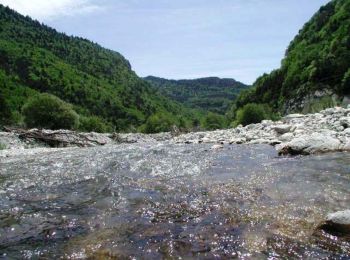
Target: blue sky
point(178, 39)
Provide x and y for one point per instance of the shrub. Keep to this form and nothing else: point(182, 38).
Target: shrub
point(157, 123)
point(213, 121)
point(48, 111)
point(251, 114)
point(94, 124)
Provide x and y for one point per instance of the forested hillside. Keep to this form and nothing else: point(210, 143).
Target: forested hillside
point(209, 94)
point(99, 83)
point(315, 72)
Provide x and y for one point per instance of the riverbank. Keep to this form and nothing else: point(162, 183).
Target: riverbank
point(326, 131)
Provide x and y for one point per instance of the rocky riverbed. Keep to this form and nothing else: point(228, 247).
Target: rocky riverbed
point(326, 131)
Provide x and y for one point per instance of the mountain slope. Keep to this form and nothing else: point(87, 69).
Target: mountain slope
point(209, 94)
point(316, 69)
point(35, 58)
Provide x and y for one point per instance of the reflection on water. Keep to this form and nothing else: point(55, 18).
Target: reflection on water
point(170, 201)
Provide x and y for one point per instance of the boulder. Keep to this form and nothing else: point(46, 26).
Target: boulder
point(345, 122)
point(310, 144)
point(286, 137)
point(346, 145)
point(337, 223)
point(282, 129)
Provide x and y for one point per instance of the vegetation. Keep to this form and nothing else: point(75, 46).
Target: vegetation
point(253, 113)
point(318, 59)
point(98, 83)
point(157, 123)
point(208, 94)
point(94, 124)
point(48, 111)
point(5, 111)
point(214, 121)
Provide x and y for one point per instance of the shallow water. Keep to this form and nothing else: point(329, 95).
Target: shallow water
point(171, 201)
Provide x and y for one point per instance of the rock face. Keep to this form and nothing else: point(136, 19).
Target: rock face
point(337, 223)
point(326, 131)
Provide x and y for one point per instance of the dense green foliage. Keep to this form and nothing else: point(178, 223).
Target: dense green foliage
point(48, 111)
point(157, 123)
point(94, 124)
point(318, 59)
point(252, 114)
point(209, 94)
point(214, 121)
point(98, 82)
point(5, 110)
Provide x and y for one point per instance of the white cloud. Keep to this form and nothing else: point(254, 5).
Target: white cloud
point(50, 9)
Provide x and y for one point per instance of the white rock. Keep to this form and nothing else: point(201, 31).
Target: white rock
point(237, 141)
point(309, 144)
point(282, 129)
point(217, 147)
point(338, 222)
point(260, 141)
point(340, 217)
point(346, 146)
point(345, 122)
point(286, 137)
point(346, 131)
point(291, 116)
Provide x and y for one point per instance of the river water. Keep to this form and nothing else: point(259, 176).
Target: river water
point(171, 201)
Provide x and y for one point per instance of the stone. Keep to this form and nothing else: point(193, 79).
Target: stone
point(282, 129)
point(338, 222)
point(286, 137)
point(291, 116)
point(345, 122)
point(237, 141)
point(346, 146)
point(259, 141)
point(217, 147)
point(310, 144)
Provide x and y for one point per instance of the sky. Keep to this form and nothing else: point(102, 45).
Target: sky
point(182, 39)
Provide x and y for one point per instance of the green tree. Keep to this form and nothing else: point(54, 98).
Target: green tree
point(157, 123)
point(48, 111)
point(251, 114)
point(213, 121)
point(93, 124)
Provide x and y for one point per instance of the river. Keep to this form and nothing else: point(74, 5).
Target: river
point(163, 200)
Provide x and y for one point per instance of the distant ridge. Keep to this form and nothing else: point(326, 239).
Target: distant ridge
point(209, 94)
